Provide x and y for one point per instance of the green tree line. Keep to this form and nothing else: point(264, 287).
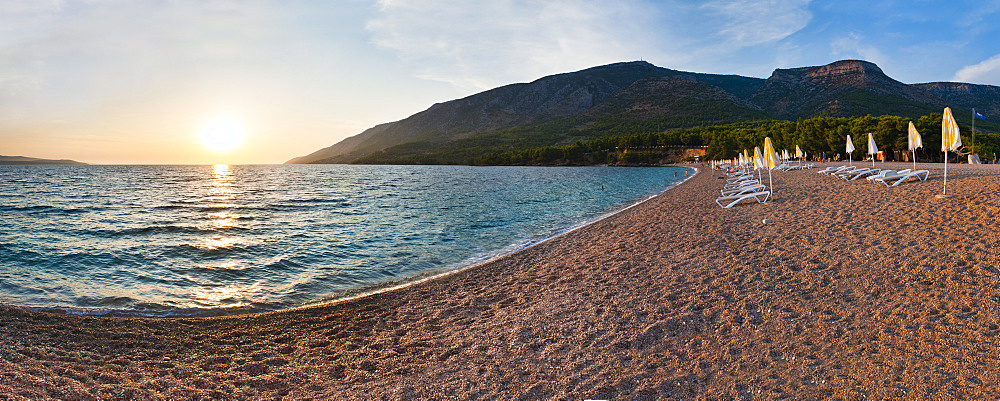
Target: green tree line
point(816, 136)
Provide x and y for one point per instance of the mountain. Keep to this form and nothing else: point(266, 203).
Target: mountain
point(984, 98)
point(537, 102)
point(843, 88)
point(21, 160)
point(633, 97)
point(648, 104)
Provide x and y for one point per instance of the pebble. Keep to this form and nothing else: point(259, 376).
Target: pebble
point(768, 221)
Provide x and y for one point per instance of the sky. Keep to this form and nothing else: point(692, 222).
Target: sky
point(136, 82)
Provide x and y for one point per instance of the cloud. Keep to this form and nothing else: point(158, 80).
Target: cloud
point(750, 22)
point(853, 46)
point(76, 60)
point(484, 44)
point(985, 72)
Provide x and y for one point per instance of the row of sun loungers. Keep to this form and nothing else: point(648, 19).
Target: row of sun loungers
point(799, 166)
point(741, 186)
point(889, 178)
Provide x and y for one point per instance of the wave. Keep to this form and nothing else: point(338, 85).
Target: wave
point(159, 230)
point(48, 209)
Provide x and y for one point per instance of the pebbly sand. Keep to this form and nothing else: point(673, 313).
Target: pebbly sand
point(854, 291)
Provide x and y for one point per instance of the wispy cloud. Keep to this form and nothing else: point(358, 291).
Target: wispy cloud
point(854, 46)
point(987, 71)
point(754, 22)
point(485, 44)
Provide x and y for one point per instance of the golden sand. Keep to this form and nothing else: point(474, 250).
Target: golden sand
point(853, 291)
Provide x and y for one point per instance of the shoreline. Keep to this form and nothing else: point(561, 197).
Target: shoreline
point(490, 259)
point(854, 291)
point(470, 263)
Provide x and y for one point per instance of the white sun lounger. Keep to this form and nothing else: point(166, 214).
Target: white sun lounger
point(849, 172)
point(738, 184)
point(885, 173)
point(744, 190)
point(864, 173)
point(837, 170)
point(727, 202)
point(900, 178)
point(738, 178)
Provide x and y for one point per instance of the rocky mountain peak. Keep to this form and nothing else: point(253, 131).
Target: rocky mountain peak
point(852, 73)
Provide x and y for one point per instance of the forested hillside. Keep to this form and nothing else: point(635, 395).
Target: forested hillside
point(815, 136)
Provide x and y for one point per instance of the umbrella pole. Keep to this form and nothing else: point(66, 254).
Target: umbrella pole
point(945, 173)
point(770, 182)
point(914, 160)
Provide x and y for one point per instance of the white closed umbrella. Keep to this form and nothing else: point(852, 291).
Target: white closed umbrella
point(872, 149)
point(850, 149)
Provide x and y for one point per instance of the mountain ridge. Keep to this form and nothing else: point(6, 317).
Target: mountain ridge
point(597, 101)
point(23, 160)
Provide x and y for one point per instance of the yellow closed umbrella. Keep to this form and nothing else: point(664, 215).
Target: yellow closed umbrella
point(951, 140)
point(770, 161)
point(758, 161)
point(913, 142)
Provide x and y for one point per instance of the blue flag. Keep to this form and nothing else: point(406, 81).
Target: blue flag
point(979, 116)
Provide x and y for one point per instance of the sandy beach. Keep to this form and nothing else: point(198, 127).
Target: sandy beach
point(853, 291)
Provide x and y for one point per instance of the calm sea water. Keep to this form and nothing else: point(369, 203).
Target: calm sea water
point(197, 240)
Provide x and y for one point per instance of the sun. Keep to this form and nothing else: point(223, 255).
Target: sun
point(222, 134)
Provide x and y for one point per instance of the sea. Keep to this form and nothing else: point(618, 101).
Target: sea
point(178, 241)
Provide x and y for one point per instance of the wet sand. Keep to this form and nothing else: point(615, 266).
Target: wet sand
point(854, 291)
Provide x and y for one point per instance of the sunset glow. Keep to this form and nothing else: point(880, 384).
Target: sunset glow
point(222, 134)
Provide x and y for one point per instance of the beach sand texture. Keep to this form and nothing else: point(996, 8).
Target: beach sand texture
point(854, 291)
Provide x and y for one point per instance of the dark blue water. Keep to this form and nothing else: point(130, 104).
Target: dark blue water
point(197, 240)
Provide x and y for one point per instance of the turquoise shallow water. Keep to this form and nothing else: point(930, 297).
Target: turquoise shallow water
point(197, 240)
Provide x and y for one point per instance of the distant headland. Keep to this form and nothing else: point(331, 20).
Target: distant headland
point(22, 160)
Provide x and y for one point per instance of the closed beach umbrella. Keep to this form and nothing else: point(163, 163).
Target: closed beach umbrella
point(951, 140)
point(758, 161)
point(850, 149)
point(872, 149)
point(798, 152)
point(914, 142)
point(770, 161)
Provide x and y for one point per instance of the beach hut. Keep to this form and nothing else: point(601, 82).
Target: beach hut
point(850, 149)
point(913, 142)
point(872, 149)
point(951, 140)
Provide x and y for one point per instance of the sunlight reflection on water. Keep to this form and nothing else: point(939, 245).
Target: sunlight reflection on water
point(163, 239)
